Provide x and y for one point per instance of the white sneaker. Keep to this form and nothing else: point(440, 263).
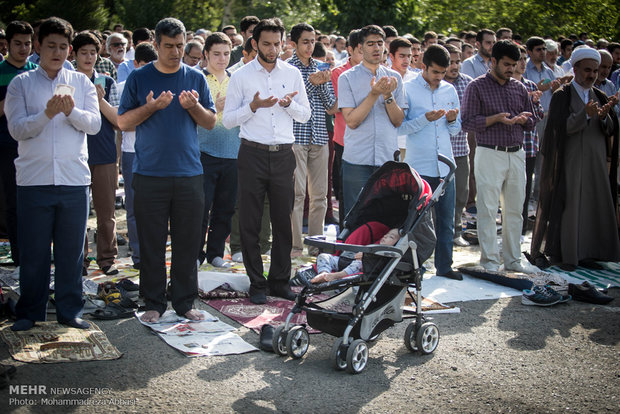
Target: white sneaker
point(515, 267)
point(219, 262)
point(237, 257)
point(460, 241)
point(491, 267)
point(15, 274)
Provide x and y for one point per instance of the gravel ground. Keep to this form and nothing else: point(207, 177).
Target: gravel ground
point(496, 355)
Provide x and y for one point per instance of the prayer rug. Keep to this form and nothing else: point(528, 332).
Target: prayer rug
point(50, 342)
point(609, 277)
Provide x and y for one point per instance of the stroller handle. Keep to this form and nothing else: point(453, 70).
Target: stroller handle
point(451, 165)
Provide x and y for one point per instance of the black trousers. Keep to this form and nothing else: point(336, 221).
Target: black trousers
point(530, 164)
point(263, 172)
point(337, 180)
point(7, 175)
point(158, 200)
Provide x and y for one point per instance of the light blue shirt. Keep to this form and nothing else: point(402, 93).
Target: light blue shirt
point(426, 139)
point(124, 69)
point(375, 140)
point(532, 73)
point(475, 66)
point(51, 151)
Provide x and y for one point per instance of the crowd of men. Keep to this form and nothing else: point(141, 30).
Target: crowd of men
point(225, 134)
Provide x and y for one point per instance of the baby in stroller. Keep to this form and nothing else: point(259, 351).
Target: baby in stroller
point(332, 267)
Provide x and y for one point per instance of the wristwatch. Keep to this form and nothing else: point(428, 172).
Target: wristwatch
point(389, 100)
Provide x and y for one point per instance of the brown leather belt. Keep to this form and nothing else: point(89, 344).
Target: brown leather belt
point(270, 148)
point(500, 148)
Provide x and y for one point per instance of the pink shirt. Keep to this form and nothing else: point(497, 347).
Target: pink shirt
point(339, 124)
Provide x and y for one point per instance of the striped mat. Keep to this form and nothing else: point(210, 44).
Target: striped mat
point(610, 277)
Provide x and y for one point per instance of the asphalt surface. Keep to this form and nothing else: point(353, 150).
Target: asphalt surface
point(494, 356)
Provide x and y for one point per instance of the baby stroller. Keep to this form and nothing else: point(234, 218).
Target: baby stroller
point(368, 303)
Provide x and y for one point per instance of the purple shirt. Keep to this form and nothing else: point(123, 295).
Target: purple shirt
point(484, 97)
point(530, 138)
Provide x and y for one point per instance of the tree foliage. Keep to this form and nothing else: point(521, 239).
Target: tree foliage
point(600, 18)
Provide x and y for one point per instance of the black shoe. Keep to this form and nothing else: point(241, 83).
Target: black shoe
point(303, 276)
point(567, 267)
point(452, 274)
point(266, 338)
point(258, 298)
point(591, 264)
point(22, 325)
point(586, 292)
point(78, 323)
point(283, 292)
point(331, 220)
point(84, 271)
point(120, 240)
point(110, 270)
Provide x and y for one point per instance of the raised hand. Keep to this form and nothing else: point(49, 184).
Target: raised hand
point(288, 98)
point(162, 101)
point(592, 108)
point(100, 92)
point(522, 118)
point(435, 115)
point(220, 101)
point(535, 95)
point(67, 104)
point(319, 78)
point(257, 102)
point(188, 99)
point(54, 106)
point(451, 115)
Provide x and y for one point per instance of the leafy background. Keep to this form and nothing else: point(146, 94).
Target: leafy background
point(600, 18)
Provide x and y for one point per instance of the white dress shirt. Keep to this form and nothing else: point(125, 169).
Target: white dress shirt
point(51, 151)
point(269, 126)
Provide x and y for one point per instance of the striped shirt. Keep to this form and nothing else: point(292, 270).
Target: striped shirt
point(321, 97)
point(460, 148)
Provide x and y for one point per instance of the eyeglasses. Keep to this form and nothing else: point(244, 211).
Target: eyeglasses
point(119, 44)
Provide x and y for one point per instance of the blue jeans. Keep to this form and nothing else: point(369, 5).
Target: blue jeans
point(444, 225)
point(220, 186)
point(354, 178)
point(132, 231)
point(51, 214)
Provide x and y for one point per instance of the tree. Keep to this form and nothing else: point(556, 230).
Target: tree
point(82, 15)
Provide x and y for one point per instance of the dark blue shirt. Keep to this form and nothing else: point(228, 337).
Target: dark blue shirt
point(102, 145)
point(167, 141)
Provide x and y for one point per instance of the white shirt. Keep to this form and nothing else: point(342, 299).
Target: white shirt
point(51, 151)
point(272, 125)
point(129, 137)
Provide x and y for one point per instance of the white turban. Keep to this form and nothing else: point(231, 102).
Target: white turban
point(584, 52)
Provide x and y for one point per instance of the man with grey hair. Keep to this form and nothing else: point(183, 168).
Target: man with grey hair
point(193, 53)
point(551, 58)
point(164, 101)
point(116, 45)
point(604, 68)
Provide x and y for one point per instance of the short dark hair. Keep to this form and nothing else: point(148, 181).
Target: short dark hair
point(371, 29)
point(321, 37)
point(248, 46)
point(613, 46)
point(118, 25)
point(522, 49)
point(248, 21)
point(192, 44)
point(505, 48)
point(501, 31)
point(18, 27)
point(430, 35)
point(390, 31)
point(481, 33)
point(169, 27)
point(565, 43)
point(414, 40)
point(217, 38)
point(452, 49)
point(398, 43)
point(228, 27)
point(454, 39)
point(145, 52)
point(298, 29)
point(319, 50)
point(436, 54)
point(534, 41)
point(465, 46)
point(471, 35)
point(141, 34)
point(85, 38)
point(354, 38)
point(55, 25)
point(273, 24)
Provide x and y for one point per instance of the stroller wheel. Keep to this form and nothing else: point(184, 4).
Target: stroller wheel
point(357, 356)
point(427, 338)
point(279, 341)
point(410, 337)
point(338, 355)
point(297, 342)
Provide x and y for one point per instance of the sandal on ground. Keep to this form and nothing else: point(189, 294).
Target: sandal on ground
point(112, 311)
point(109, 293)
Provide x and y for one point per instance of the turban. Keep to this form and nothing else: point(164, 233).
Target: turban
point(584, 53)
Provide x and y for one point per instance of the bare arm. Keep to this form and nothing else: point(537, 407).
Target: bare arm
point(134, 117)
point(203, 117)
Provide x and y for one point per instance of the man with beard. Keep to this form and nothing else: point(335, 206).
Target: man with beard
point(498, 109)
point(576, 221)
point(479, 63)
point(264, 97)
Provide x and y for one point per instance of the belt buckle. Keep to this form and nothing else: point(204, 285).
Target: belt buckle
point(273, 148)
